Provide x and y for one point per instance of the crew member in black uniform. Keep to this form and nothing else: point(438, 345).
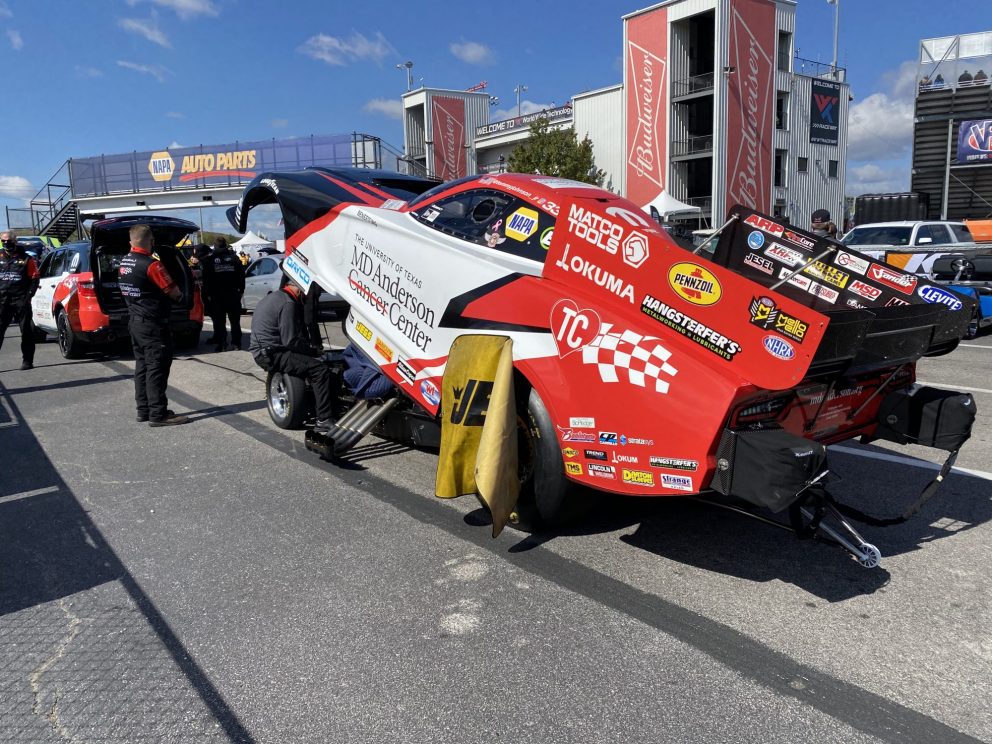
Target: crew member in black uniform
point(18, 283)
point(149, 293)
point(279, 343)
point(223, 285)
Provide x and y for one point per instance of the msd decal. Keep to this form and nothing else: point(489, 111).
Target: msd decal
point(749, 105)
point(865, 290)
point(695, 284)
point(896, 280)
point(939, 296)
point(448, 127)
point(646, 55)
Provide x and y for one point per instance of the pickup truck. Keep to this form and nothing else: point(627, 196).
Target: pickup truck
point(910, 246)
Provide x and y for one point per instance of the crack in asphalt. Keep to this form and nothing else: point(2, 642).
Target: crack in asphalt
point(35, 681)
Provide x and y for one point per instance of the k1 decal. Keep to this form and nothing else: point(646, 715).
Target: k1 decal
point(766, 314)
point(573, 328)
point(695, 284)
point(940, 297)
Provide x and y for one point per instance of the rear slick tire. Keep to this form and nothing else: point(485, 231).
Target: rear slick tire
point(286, 397)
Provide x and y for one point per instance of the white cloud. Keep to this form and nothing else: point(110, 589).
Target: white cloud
point(174, 115)
point(871, 178)
point(280, 123)
point(147, 28)
point(5, 11)
point(880, 128)
point(17, 187)
point(386, 106)
point(174, 146)
point(185, 9)
point(87, 72)
point(341, 51)
point(156, 71)
point(472, 52)
point(16, 42)
point(526, 107)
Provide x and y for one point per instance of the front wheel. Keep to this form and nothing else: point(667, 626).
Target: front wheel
point(70, 346)
point(287, 400)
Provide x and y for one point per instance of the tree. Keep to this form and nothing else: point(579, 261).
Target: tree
point(556, 152)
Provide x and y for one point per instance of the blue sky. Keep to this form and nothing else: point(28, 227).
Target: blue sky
point(85, 77)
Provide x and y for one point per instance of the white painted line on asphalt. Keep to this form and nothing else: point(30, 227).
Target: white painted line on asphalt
point(28, 494)
point(903, 460)
point(976, 346)
point(948, 386)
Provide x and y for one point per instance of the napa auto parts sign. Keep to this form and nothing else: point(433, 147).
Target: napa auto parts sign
point(975, 141)
point(645, 59)
point(749, 104)
point(448, 130)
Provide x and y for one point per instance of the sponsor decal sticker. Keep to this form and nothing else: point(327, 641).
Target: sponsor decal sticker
point(896, 280)
point(702, 334)
point(573, 468)
point(592, 454)
point(895, 302)
point(635, 440)
point(827, 273)
point(608, 437)
point(778, 348)
point(865, 290)
point(756, 239)
point(383, 349)
point(430, 393)
point(823, 292)
point(767, 315)
point(161, 165)
point(297, 271)
point(570, 452)
point(573, 328)
point(629, 459)
point(595, 274)
point(677, 482)
point(405, 371)
point(851, 302)
point(570, 435)
point(638, 477)
point(363, 330)
point(938, 296)
point(602, 471)
point(582, 422)
point(638, 360)
point(797, 281)
point(760, 263)
point(546, 237)
point(522, 224)
point(852, 263)
point(801, 240)
point(695, 284)
point(674, 463)
point(765, 224)
point(788, 256)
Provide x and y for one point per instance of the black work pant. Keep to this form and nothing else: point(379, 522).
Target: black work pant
point(226, 309)
point(19, 311)
point(152, 344)
point(318, 373)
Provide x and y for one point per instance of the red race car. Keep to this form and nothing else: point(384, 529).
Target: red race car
point(641, 368)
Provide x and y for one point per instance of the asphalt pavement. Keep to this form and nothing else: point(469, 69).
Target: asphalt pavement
point(216, 582)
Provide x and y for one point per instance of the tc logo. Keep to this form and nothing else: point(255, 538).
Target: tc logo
point(573, 328)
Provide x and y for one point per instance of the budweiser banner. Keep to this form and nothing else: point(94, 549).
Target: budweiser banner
point(750, 104)
point(824, 110)
point(448, 130)
point(975, 141)
point(645, 58)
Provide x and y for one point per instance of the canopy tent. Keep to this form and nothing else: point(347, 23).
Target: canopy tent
point(665, 204)
point(252, 244)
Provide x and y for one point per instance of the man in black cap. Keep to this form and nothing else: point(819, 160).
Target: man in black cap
point(821, 224)
point(223, 286)
point(18, 283)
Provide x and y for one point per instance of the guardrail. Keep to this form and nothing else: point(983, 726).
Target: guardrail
point(692, 84)
point(693, 145)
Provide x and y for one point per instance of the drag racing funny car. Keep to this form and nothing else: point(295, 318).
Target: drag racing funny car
point(634, 366)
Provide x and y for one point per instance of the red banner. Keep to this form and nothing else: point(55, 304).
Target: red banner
point(645, 59)
point(448, 125)
point(750, 104)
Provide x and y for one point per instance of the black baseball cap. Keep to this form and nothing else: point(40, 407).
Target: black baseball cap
point(821, 215)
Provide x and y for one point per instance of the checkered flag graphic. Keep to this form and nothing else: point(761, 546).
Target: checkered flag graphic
point(641, 357)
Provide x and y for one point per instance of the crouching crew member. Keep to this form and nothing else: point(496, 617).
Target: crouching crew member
point(149, 293)
point(223, 285)
point(18, 283)
point(279, 343)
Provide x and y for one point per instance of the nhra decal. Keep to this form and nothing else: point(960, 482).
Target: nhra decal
point(852, 263)
point(602, 471)
point(592, 454)
point(788, 256)
point(677, 482)
point(638, 477)
point(939, 296)
point(642, 359)
point(430, 393)
point(573, 328)
point(762, 223)
point(573, 468)
point(568, 435)
point(801, 240)
point(756, 239)
point(865, 290)
point(778, 348)
point(582, 422)
point(674, 463)
point(695, 284)
point(760, 263)
point(596, 274)
point(826, 273)
point(896, 280)
point(700, 333)
point(767, 315)
point(522, 224)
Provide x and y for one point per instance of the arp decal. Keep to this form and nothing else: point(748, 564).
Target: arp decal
point(677, 482)
point(700, 333)
point(756, 239)
point(896, 280)
point(778, 348)
point(695, 284)
point(773, 228)
point(573, 468)
point(852, 263)
point(865, 290)
point(638, 477)
point(760, 263)
point(522, 224)
point(674, 463)
point(573, 328)
point(939, 296)
point(767, 315)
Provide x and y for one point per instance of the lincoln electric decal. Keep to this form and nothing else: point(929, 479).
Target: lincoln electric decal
point(448, 124)
point(644, 77)
point(749, 104)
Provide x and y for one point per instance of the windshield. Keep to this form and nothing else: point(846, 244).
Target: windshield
point(878, 236)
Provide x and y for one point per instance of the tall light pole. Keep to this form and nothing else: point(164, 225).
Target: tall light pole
point(408, 65)
point(518, 90)
point(836, 4)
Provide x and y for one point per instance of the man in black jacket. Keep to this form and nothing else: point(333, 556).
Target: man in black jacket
point(279, 343)
point(223, 286)
point(18, 283)
point(149, 292)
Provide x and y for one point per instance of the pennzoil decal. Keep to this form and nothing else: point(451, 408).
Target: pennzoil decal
point(767, 315)
point(695, 284)
point(694, 330)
